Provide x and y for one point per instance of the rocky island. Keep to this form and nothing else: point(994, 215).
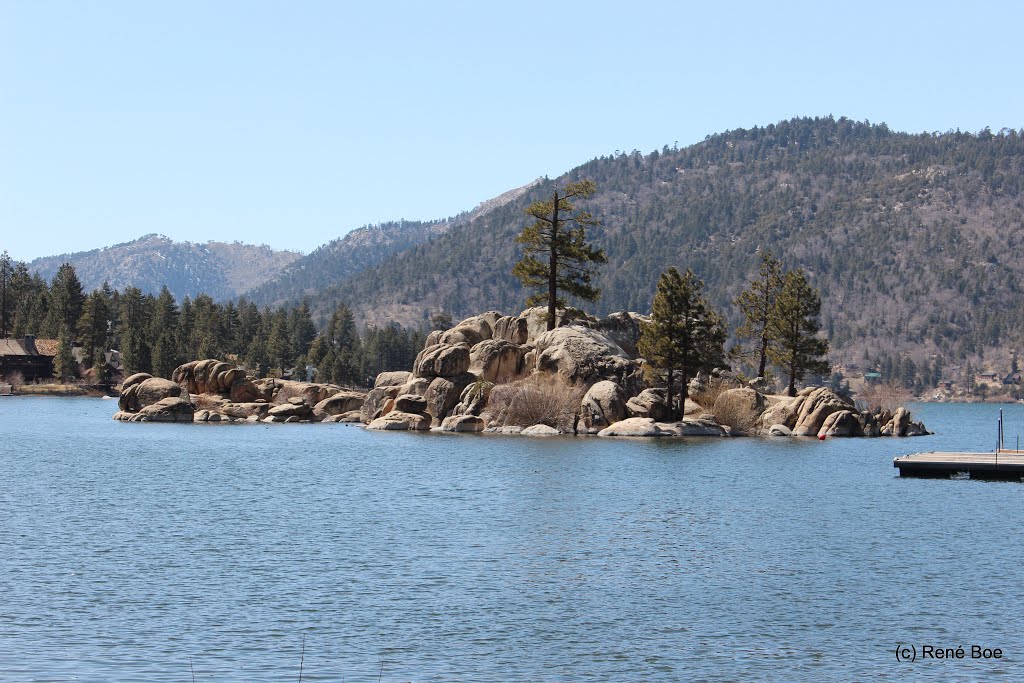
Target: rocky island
point(509, 374)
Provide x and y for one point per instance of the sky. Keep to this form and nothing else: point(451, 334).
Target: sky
point(291, 123)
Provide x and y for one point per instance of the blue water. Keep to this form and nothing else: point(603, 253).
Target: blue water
point(128, 551)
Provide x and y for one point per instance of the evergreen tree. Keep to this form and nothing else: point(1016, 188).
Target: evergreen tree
point(756, 303)
point(301, 330)
point(92, 329)
point(64, 365)
point(164, 334)
point(559, 235)
point(21, 292)
point(685, 333)
point(7, 302)
point(135, 348)
point(66, 301)
point(344, 344)
point(793, 330)
point(279, 341)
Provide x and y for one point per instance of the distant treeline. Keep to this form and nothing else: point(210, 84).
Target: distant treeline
point(155, 334)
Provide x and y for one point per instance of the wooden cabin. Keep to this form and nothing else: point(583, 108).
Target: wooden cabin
point(23, 356)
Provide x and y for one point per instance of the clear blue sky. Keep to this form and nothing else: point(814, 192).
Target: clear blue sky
point(290, 123)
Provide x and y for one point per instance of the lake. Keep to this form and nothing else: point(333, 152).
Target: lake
point(149, 552)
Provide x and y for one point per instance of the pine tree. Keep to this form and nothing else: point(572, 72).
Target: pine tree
point(64, 364)
point(164, 333)
point(7, 302)
point(756, 303)
point(92, 329)
point(559, 234)
point(793, 330)
point(66, 301)
point(278, 341)
point(685, 334)
point(301, 330)
point(135, 348)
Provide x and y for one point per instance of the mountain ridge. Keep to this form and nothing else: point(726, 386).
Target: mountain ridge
point(220, 269)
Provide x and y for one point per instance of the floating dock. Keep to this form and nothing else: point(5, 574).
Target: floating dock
point(1002, 464)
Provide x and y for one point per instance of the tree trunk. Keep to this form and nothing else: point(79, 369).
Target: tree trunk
point(553, 265)
point(791, 390)
point(764, 356)
point(668, 394)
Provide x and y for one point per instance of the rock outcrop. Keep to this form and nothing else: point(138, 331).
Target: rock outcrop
point(584, 375)
point(648, 403)
point(603, 405)
point(226, 395)
point(635, 426)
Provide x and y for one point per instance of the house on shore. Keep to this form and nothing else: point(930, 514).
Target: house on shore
point(25, 357)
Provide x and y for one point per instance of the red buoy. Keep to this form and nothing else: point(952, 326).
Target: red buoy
point(821, 437)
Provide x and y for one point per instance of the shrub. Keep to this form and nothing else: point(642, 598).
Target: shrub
point(14, 378)
point(741, 419)
point(713, 388)
point(541, 398)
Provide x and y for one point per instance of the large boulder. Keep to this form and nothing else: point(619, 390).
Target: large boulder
point(410, 403)
point(471, 330)
point(341, 402)
point(841, 423)
point(587, 356)
point(442, 360)
point(443, 395)
point(379, 401)
point(624, 329)
point(511, 329)
point(170, 409)
point(649, 403)
point(132, 380)
point(473, 399)
point(462, 423)
point(540, 430)
point(278, 391)
point(296, 407)
point(635, 426)
point(145, 391)
point(391, 379)
point(537, 320)
point(242, 411)
point(212, 376)
point(602, 405)
point(897, 426)
point(401, 422)
point(496, 361)
point(814, 406)
point(699, 427)
point(781, 410)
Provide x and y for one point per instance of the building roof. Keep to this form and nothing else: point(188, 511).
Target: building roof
point(13, 347)
point(16, 347)
point(47, 347)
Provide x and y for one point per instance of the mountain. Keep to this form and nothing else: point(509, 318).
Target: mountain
point(361, 249)
point(914, 240)
point(220, 269)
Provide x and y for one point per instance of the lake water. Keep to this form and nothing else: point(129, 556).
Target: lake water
point(128, 551)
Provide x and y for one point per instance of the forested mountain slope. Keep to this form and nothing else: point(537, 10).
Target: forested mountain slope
point(360, 249)
point(221, 269)
point(913, 240)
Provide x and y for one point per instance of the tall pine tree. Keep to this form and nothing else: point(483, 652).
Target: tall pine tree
point(558, 236)
point(793, 330)
point(756, 303)
point(685, 333)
